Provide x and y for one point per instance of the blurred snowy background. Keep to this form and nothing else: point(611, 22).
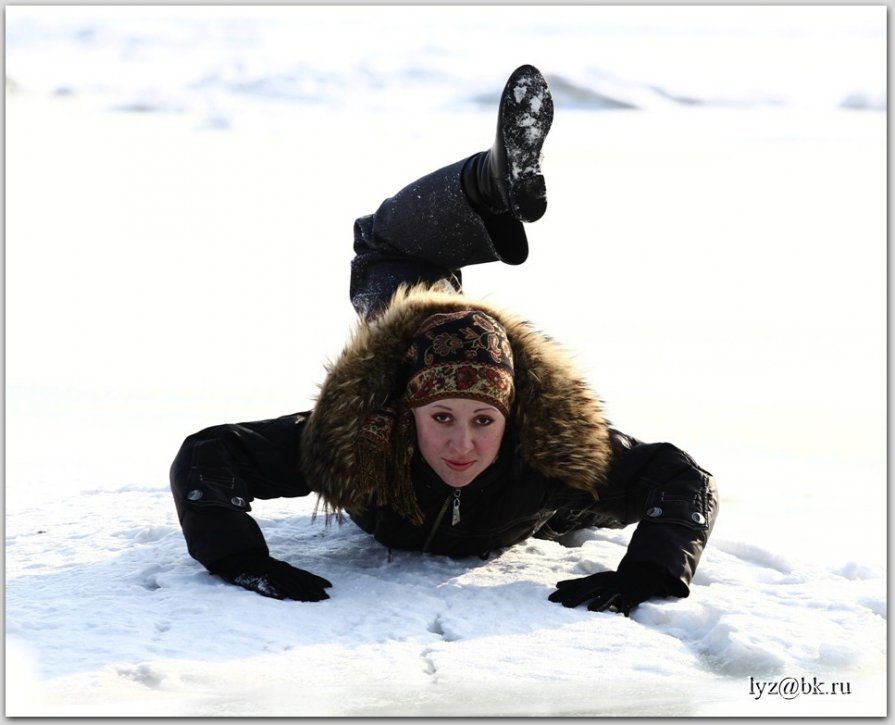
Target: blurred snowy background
point(181, 184)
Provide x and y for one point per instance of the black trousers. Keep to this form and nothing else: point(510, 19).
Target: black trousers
point(427, 232)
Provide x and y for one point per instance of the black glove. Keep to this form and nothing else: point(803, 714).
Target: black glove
point(271, 577)
point(617, 591)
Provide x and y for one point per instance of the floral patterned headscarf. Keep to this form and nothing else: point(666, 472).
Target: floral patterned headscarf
point(462, 354)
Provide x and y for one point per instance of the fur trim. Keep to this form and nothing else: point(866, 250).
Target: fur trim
point(558, 422)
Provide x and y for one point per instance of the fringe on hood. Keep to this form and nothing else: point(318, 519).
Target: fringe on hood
point(557, 421)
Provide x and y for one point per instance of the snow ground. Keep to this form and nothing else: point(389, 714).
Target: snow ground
point(719, 272)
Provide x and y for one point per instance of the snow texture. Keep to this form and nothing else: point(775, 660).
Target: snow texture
point(181, 188)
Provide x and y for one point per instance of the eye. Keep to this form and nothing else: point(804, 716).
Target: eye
point(441, 417)
point(484, 420)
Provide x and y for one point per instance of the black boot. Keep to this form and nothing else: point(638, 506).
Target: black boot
point(507, 177)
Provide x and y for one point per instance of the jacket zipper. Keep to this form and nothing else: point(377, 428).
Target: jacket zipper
point(455, 518)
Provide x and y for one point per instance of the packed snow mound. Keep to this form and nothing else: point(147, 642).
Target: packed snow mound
point(412, 631)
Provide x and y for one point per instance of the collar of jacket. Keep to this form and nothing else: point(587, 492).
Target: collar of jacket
point(557, 421)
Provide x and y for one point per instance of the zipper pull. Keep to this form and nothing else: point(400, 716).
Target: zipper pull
point(455, 518)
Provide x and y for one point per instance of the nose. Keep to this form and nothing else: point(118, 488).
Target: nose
point(462, 440)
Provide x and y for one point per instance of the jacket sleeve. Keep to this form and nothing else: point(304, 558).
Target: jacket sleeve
point(219, 471)
point(672, 499)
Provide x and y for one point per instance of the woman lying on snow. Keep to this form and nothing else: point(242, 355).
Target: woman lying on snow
point(448, 425)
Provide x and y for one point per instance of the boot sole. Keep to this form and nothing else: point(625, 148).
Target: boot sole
point(526, 108)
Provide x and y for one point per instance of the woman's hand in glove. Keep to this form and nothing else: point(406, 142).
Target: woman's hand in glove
point(271, 577)
point(617, 591)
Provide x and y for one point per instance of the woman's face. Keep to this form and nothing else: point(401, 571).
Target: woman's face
point(459, 438)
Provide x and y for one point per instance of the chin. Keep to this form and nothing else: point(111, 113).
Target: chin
point(455, 479)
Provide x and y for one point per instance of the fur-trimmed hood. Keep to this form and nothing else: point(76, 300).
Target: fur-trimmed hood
point(557, 421)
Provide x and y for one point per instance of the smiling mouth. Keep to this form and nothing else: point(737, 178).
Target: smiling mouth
point(459, 465)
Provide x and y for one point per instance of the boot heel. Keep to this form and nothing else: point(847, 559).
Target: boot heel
point(528, 197)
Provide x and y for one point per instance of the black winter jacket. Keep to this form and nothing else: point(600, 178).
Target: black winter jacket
point(219, 471)
point(561, 466)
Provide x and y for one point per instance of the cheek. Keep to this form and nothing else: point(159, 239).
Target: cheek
point(491, 441)
point(428, 439)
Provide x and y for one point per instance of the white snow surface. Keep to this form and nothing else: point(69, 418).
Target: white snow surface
point(181, 185)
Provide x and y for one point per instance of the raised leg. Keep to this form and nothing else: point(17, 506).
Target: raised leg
point(469, 212)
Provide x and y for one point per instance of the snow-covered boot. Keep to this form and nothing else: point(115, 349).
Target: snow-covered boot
point(507, 177)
